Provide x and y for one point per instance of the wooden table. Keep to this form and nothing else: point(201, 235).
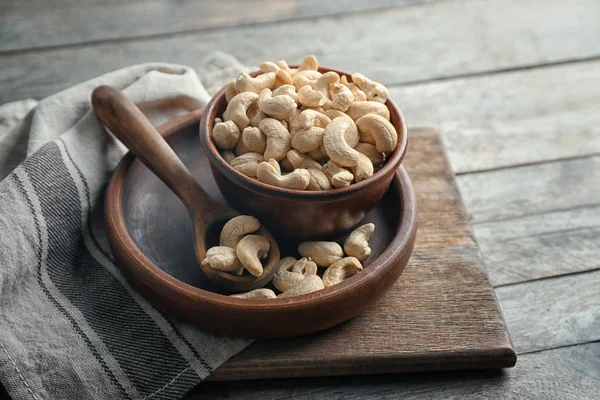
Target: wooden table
point(514, 88)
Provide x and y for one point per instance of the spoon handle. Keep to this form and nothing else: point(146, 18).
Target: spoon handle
point(125, 120)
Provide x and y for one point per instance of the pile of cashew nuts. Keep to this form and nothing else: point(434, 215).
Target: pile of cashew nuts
point(296, 128)
point(239, 249)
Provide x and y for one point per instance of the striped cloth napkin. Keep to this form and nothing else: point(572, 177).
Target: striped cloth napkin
point(70, 325)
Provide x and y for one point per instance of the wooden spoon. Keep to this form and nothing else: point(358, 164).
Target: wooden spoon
point(125, 120)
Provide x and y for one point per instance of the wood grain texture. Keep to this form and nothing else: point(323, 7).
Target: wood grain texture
point(34, 23)
point(514, 118)
point(441, 314)
point(540, 245)
point(468, 38)
point(567, 373)
point(553, 312)
point(517, 192)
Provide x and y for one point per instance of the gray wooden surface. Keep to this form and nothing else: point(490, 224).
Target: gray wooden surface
point(513, 86)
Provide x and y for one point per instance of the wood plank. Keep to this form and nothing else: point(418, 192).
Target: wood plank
point(33, 23)
point(540, 246)
point(468, 38)
point(567, 373)
point(421, 323)
point(512, 118)
point(537, 189)
point(552, 312)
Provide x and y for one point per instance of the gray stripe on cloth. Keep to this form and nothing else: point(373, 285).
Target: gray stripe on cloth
point(148, 358)
point(92, 215)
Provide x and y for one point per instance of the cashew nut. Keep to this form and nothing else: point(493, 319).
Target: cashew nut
point(336, 146)
point(309, 63)
point(278, 107)
point(241, 149)
point(332, 114)
point(238, 107)
point(359, 95)
point(284, 278)
point(226, 135)
point(309, 284)
point(228, 156)
point(275, 165)
point(254, 139)
point(357, 243)
point(338, 176)
point(341, 96)
point(246, 83)
point(310, 118)
point(363, 169)
point(268, 66)
point(323, 83)
point(304, 78)
point(247, 163)
point(322, 253)
point(305, 267)
point(361, 108)
point(318, 180)
point(375, 91)
point(231, 91)
point(236, 228)
point(278, 139)
point(371, 152)
point(262, 293)
point(341, 270)
point(295, 180)
point(255, 115)
point(286, 90)
point(284, 66)
point(294, 122)
point(223, 258)
point(299, 160)
point(382, 131)
point(310, 97)
point(306, 140)
point(250, 251)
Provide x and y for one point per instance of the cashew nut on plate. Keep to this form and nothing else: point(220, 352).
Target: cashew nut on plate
point(236, 228)
point(322, 253)
point(339, 126)
point(223, 258)
point(341, 270)
point(309, 284)
point(250, 251)
point(357, 243)
point(261, 293)
point(285, 277)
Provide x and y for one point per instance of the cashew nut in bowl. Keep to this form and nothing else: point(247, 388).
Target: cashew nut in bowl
point(375, 91)
point(309, 63)
point(254, 139)
point(323, 83)
point(363, 169)
point(250, 251)
point(371, 152)
point(294, 122)
point(262, 293)
point(299, 160)
point(278, 107)
point(310, 97)
point(246, 83)
point(306, 140)
point(228, 156)
point(305, 78)
point(336, 147)
point(231, 91)
point(223, 258)
point(241, 149)
point(255, 115)
point(247, 163)
point(318, 180)
point(238, 107)
point(305, 267)
point(275, 165)
point(236, 228)
point(284, 66)
point(359, 95)
point(322, 253)
point(309, 284)
point(284, 278)
point(312, 118)
point(341, 96)
point(278, 139)
point(341, 270)
point(362, 108)
point(282, 77)
point(298, 179)
point(357, 243)
point(338, 176)
point(286, 90)
point(383, 132)
point(226, 135)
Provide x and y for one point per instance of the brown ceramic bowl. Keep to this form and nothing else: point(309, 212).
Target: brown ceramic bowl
point(300, 213)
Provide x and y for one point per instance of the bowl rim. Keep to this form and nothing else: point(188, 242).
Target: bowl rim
point(216, 160)
point(119, 236)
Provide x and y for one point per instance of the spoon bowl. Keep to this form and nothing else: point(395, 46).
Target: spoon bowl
point(125, 120)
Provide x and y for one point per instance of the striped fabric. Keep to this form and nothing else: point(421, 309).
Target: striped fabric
point(70, 325)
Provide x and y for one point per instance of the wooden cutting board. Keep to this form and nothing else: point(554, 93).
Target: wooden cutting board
point(442, 314)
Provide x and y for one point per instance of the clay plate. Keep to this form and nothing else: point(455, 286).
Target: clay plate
point(150, 234)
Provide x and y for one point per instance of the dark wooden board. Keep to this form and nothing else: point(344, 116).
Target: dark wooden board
point(441, 315)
